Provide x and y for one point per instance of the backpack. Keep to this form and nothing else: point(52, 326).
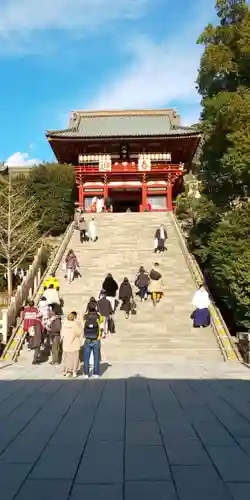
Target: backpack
point(154, 275)
point(91, 326)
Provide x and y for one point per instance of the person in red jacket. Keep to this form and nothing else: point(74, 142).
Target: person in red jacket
point(31, 320)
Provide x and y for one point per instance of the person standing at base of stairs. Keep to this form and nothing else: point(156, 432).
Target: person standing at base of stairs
point(156, 286)
point(71, 337)
point(29, 315)
point(54, 329)
point(37, 341)
point(92, 332)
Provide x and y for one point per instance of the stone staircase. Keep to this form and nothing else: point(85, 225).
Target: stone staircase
point(161, 334)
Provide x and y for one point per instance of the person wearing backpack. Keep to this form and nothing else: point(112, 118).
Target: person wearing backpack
point(92, 333)
point(142, 282)
point(156, 286)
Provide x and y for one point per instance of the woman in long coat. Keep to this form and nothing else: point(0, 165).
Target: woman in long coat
point(71, 336)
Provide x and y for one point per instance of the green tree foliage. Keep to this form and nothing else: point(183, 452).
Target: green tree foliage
point(199, 218)
point(219, 234)
point(54, 186)
point(224, 83)
point(229, 264)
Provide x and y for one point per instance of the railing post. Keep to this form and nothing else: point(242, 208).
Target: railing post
point(5, 325)
point(39, 276)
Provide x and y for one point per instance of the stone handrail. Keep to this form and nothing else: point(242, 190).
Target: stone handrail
point(24, 291)
point(224, 339)
point(52, 268)
point(54, 262)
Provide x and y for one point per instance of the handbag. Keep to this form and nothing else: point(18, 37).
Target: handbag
point(133, 307)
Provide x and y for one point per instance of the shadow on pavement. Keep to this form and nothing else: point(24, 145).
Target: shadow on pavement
point(125, 439)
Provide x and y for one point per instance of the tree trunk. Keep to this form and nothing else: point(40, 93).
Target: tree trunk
point(9, 268)
point(9, 279)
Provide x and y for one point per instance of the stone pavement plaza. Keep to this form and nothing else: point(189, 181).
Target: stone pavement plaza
point(161, 432)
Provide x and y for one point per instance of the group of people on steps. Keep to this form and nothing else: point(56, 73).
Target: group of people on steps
point(70, 340)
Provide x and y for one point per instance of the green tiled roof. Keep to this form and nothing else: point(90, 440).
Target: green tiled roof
point(122, 125)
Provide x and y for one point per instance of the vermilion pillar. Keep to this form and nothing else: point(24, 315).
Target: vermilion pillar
point(105, 191)
point(144, 196)
point(169, 197)
point(81, 197)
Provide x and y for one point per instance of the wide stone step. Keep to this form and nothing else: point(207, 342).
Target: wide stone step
point(125, 242)
point(160, 356)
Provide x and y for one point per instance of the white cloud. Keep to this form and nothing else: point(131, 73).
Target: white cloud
point(22, 16)
point(21, 160)
point(159, 75)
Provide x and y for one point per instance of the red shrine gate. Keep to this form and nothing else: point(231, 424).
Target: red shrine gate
point(129, 187)
point(132, 157)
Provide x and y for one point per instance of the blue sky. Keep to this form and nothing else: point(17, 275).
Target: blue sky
point(61, 55)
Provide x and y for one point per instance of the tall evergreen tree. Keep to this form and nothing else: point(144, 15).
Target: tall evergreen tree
point(53, 185)
point(224, 84)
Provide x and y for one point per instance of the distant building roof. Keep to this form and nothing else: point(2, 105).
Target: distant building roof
point(134, 123)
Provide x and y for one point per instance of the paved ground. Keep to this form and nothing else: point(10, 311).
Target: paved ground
point(167, 432)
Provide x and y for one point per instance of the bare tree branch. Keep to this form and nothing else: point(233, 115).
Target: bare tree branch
point(18, 232)
point(25, 237)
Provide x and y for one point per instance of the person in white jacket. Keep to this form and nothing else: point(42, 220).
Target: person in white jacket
point(92, 230)
point(201, 303)
point(52, 295)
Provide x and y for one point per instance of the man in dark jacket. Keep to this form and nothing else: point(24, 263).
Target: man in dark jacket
point(110, 288)
point(55, 333)
point(37, 340)
point(142, 282)
point(105, 310)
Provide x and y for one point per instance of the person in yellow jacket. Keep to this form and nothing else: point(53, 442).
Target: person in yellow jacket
point(92, 328)
point(51, 280)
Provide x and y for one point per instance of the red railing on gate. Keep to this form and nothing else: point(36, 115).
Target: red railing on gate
point(131, 168)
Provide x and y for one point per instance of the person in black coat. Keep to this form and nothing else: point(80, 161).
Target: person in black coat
point(160, 239)
point(37, 340)
point(110, 288)
point(126, 295)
